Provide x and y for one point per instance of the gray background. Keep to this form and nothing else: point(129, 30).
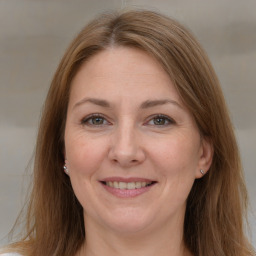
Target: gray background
point(35, 33)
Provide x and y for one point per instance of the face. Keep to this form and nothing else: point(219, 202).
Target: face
point(133, 150)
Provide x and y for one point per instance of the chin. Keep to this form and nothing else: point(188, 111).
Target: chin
point(129, 222)
point(128, 228)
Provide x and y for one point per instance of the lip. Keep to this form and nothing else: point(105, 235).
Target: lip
point(127, 193)
point(130, 179)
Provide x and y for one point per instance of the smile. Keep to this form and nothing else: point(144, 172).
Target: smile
point(128, 185)
point(127, 188)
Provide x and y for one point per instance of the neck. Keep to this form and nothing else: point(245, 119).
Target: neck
point(167, 240)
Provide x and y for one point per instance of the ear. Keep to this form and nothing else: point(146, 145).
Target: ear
point(205, 157)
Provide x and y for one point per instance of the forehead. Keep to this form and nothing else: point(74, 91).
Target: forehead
point(125, 60)
point(122, 69)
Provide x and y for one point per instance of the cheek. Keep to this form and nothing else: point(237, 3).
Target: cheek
point(84, 159)
point(176, 154)
point(84, 154)
point(176, 160)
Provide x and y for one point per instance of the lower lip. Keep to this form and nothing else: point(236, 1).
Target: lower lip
point(126, 193)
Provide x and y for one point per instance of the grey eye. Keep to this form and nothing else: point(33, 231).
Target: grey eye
point(97, 120)
point(160, 120)
point(94, 120)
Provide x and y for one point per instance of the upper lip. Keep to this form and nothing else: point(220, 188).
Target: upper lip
point(131, 179)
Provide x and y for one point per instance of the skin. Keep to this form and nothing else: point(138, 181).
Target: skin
point(129, 141)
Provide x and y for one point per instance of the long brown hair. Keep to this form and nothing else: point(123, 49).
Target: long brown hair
point(217, 204)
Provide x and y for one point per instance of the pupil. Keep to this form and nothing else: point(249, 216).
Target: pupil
point(160, 121)
point(97, 120)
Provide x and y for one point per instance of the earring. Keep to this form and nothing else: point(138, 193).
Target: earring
point(202, 172)
point(66, 169)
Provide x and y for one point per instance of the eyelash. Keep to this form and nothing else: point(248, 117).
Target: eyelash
point(164, 117)
point(88, 119)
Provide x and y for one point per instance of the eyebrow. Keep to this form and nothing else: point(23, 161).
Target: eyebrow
point(153, 103)
point(146, 104)
point(99, 102)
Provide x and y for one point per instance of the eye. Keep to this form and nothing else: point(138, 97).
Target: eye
point(161, 120)
point(94, 120)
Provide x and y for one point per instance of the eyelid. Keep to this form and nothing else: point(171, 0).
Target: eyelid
point(170, 120)
point(84, 120)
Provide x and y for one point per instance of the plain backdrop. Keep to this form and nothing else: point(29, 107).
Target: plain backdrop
point(34, 35)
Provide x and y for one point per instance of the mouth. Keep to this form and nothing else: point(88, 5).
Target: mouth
point(128, 185)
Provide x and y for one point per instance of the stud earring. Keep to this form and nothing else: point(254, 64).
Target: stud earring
point(202, 172)
point(66, 169)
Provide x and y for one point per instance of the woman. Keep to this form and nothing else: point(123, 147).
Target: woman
point(136, 153)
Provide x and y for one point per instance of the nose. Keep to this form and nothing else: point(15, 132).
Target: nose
point(126, 147)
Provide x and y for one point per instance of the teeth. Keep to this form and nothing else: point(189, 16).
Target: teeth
point(127, 185)
point(138, 184)
point(115, 184)
point(122, 185)
point(131, 185)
